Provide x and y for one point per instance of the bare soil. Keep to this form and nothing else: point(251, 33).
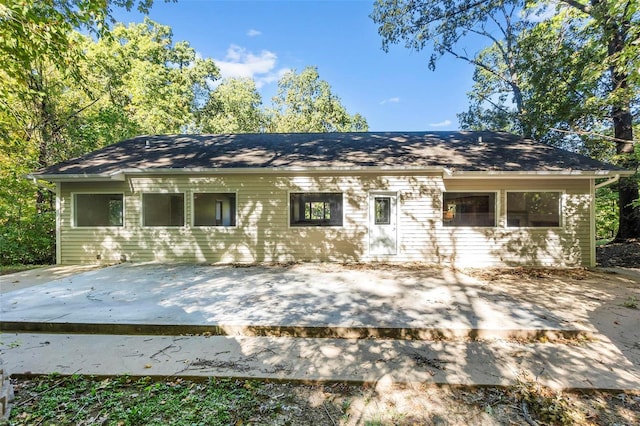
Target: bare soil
point(614, 254)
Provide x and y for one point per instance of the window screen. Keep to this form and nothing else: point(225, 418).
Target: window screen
point(469, 209)
point(533, 209)
point(214, 209)
point(98, 209)
point(163, 209)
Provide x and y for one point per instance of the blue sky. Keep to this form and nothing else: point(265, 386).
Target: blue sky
point(394, 91)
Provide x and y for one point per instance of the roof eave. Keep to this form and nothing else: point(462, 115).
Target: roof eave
point(120, 174)
point(537, 174)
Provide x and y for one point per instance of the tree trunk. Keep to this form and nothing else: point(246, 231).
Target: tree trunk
point(629, 225)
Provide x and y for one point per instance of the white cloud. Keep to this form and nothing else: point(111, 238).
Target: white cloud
point(393, 100)
point(444, 123)
point(253, 33)
point(241, 63)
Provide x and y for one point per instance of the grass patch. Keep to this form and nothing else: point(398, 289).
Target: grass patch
point(125, 401)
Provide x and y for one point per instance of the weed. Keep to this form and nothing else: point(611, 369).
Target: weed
point(631, 302)
point(546, 405)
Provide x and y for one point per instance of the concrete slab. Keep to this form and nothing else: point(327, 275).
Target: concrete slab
point(255, 308)
point(305, 300)
point(597, 365)
point(37, 276)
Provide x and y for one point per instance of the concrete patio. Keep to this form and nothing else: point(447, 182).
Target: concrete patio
point(316, 322)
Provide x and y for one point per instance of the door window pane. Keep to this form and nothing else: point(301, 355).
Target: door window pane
point(382, 210)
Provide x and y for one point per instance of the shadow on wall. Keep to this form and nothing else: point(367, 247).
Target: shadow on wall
point(263, 233)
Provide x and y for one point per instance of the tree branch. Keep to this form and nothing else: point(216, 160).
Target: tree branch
point(586, 133)
point(584, 8)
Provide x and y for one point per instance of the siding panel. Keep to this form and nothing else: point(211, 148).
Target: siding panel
point(262, 232)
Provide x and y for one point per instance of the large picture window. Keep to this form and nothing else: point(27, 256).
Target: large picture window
point(214, 209)
point(316, 209)
point(163, 209)
point(98, 209)
point(469, 209)
point(534, 209)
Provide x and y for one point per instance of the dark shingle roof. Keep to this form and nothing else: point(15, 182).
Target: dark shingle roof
point(456, 151)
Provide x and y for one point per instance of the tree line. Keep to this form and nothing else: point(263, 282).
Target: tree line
point(564, 72)
point(75, 81)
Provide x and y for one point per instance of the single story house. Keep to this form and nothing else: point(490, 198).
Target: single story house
point(447, 198)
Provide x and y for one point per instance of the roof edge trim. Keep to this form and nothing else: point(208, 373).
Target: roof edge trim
point(569, 174)
point(119, 175)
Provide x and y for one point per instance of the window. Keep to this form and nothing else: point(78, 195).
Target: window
point(316, 209)
point(469, 209)
point(382, 210)
point(533, 209)
point(163, 209)
point(98, 209)
point(214, 209)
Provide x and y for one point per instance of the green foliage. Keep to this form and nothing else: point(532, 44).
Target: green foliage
point(28, 241)
point(146, 82)
point(606, 213)
point(631, 302)
point(305, 103)
point(136, 402)
point(234, 107)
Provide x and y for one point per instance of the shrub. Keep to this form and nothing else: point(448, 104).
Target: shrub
point(29, 240)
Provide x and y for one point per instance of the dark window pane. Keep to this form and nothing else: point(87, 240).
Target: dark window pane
point(99, 210)
point(214, 209)
point(315, 209)
point(163, 209)
point(533, 209)
point(469, 209)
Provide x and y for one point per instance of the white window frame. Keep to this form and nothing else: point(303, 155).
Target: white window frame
point(310, 191)
point(193, 209)
point(496, 207)
point(561, 213)
point(74, 206)
point(184, 209)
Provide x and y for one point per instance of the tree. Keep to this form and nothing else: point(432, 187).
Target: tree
point(148, 83)
point(305, 103)
point(234, 107)
point(615, 28)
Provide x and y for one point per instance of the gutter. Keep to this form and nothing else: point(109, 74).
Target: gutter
point(40, 185)
point(565, 174)
point(607, 182)
point(120, 175)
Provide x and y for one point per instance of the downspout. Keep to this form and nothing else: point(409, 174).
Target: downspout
point(609, 181)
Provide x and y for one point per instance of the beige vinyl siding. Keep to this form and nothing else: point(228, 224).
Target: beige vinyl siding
point(262, 232)
point(568, 245)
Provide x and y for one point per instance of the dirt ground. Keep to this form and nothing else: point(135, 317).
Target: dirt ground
point(625, 254)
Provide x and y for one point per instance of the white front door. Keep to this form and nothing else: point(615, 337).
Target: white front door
point(383, 232)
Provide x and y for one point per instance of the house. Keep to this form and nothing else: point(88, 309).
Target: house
point(453, 198)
